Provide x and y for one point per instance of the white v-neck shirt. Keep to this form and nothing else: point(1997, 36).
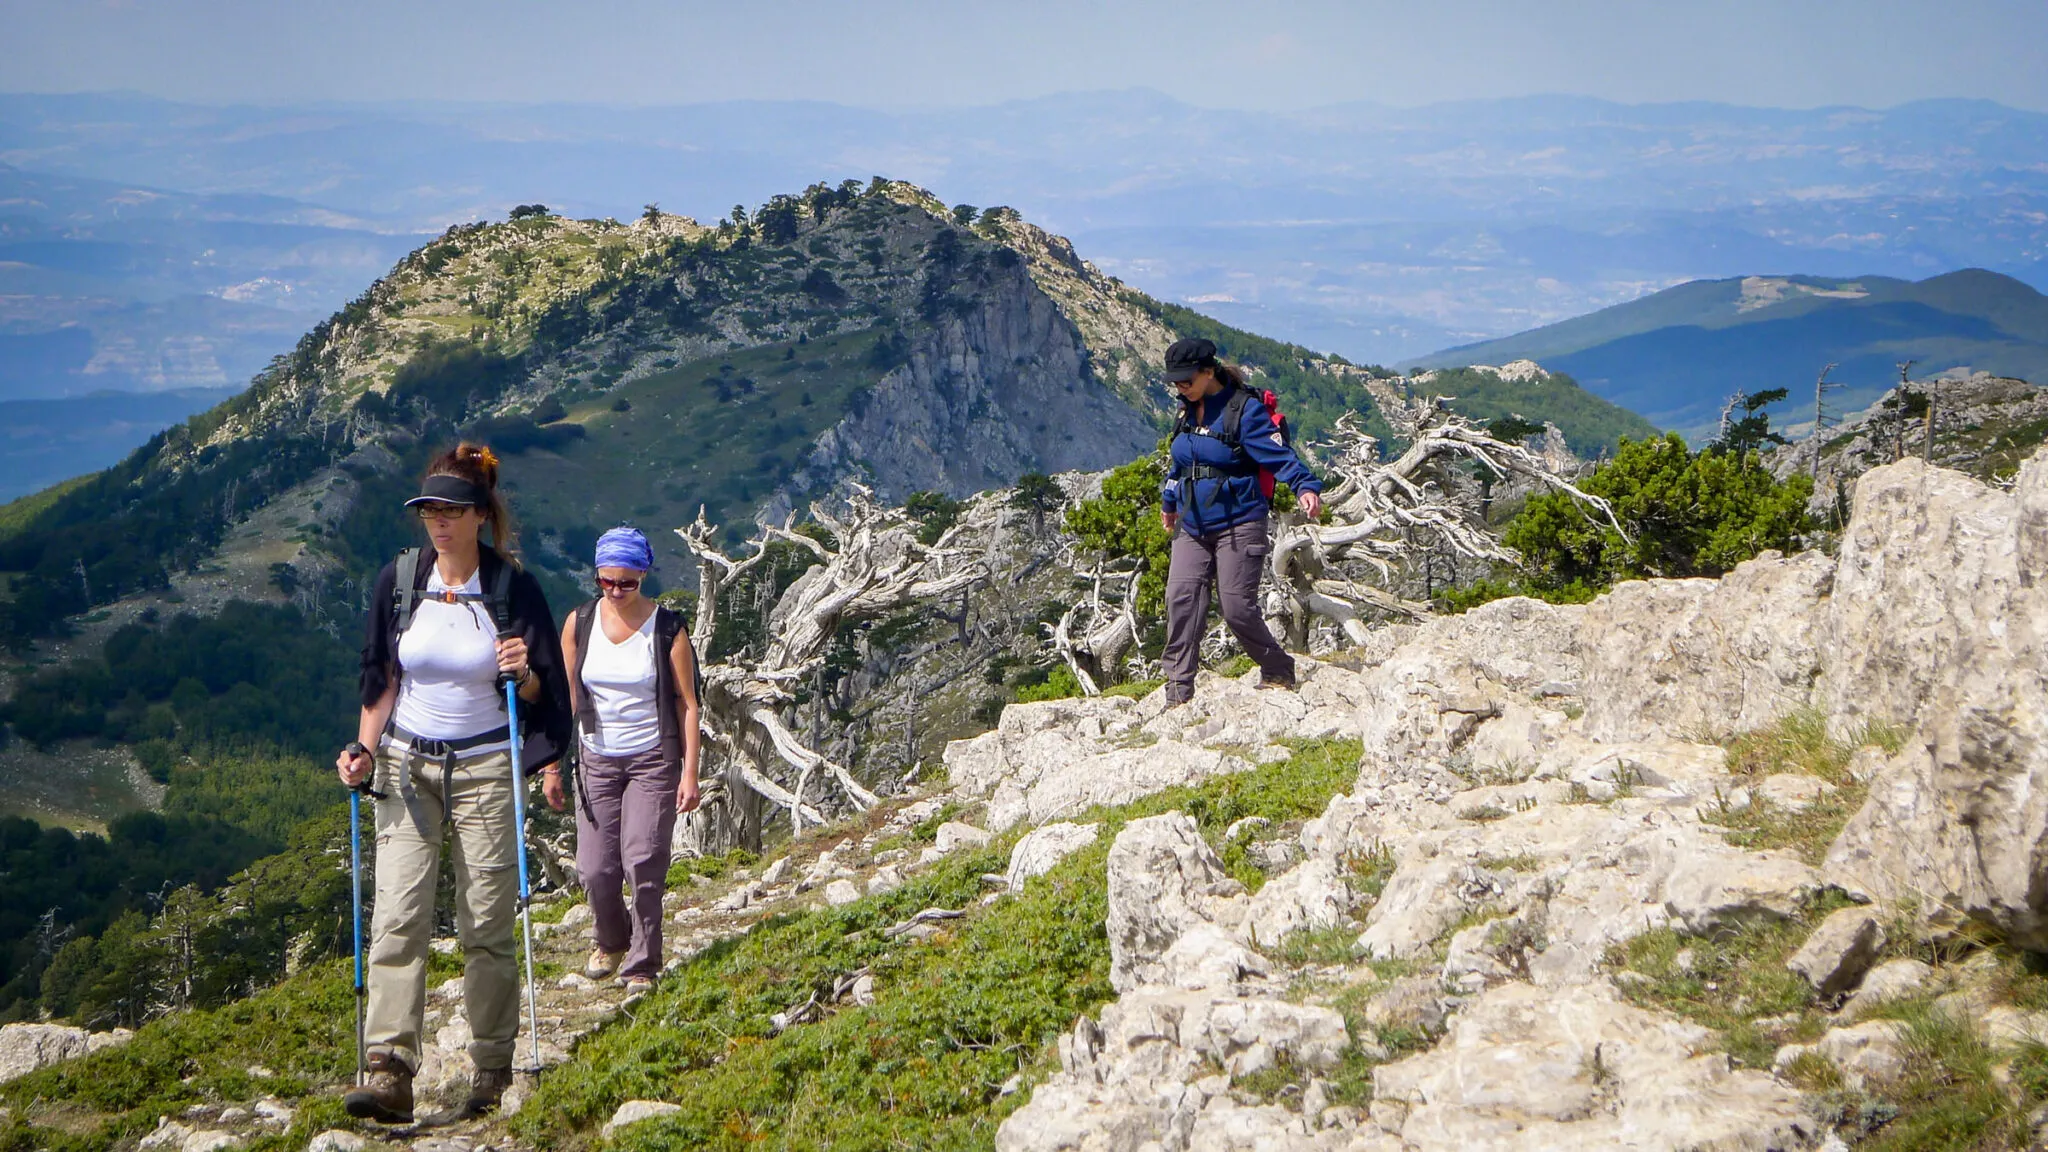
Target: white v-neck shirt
point(448, 660)
point(620, 679)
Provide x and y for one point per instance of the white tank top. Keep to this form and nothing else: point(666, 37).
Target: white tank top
point(620, 681)
point(448, 687)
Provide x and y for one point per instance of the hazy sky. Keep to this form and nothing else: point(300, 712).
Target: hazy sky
point(897, 53)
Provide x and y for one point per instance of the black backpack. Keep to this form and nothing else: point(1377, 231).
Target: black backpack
point(668, 625)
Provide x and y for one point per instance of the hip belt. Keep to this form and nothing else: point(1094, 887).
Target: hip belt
point(425, 746)
point(448, 752)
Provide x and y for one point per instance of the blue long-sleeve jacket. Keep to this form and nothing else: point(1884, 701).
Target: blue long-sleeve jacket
point(1210, 505)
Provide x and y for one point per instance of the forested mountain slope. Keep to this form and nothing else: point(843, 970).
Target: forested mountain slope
point(1675, 356)
point(638, 371)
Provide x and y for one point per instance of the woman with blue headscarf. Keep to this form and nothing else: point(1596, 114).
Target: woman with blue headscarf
point(633, 687)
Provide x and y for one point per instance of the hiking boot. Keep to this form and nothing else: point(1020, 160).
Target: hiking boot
point(1277, 684)
point(386, 1096)
point(486, 1088)
point(602, 963)
point(638, 986)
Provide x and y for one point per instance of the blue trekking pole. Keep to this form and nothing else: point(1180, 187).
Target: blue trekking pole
point(525, 887)
point(355, 879)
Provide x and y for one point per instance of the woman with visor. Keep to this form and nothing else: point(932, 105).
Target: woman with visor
point(633, 685)
point(446, 623)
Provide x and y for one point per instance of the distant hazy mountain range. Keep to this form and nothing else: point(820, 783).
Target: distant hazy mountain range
point(1675, 356)
point(147, 245)
point(1381, 233)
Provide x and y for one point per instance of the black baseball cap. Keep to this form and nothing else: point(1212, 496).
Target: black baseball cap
point(1187, 356)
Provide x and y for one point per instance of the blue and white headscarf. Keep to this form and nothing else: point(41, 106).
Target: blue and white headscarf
point(625, 547)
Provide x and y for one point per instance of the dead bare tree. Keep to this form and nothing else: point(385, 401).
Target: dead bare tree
point(1383, 511)
point(1107, 631)
point(874, 565)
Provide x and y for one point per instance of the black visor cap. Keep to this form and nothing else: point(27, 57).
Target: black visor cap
point(450, 490)
point(1187, 357)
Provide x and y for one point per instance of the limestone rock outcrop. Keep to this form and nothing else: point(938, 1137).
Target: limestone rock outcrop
point(1940, 621)
point(1538, 787)
point(27, 1047)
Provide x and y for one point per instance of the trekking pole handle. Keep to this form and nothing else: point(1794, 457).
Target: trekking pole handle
point(355, 748)
point(504, 677)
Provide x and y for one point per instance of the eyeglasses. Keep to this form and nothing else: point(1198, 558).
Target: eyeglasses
point(610, 585)
point(440, 511)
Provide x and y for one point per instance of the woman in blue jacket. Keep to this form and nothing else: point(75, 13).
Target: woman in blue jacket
point(1214, 497)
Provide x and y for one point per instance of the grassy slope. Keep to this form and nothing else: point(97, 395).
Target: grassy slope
point(955, 1017)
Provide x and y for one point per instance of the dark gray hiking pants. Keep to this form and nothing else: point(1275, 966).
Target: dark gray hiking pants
point(1233, 558)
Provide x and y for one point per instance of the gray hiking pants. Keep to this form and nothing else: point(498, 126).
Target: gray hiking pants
point(1234, 559)
point(626, 813)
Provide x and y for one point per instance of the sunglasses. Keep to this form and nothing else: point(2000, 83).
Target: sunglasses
point(440, 511)
point(610, 585)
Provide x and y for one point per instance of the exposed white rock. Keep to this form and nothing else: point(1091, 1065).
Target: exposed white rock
point(1524, 1067)
point(739, 898)
point(634, 1111)
point(1840, 951)
point(953, 834)
point(1941, 625)
point(211, 1140)
point(1133, 1078)
point(840, 892)
point(271, 1110)
point(1057, 758)
point(336, 1140)
point(1487, 954)
point(887, 878)
point(1678, 657)
point(1163, 879)
point(1041, 849)
point(168, 1134)
point(578, 916)
point(27, 1047)
point(775, 871)
point(1863, 1052)
point(1206, 957)
point(1890, 980)
point(1313, 897)
point(1727, 888)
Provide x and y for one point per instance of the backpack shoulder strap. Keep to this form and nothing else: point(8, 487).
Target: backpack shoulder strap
point(1232, 430)
point(405, 591)
point(500, 596)
point(670, 627)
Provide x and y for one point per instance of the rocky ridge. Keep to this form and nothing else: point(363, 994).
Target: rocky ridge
point(1535, 795)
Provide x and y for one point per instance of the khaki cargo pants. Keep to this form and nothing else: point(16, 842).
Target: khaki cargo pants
point(476, 795)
